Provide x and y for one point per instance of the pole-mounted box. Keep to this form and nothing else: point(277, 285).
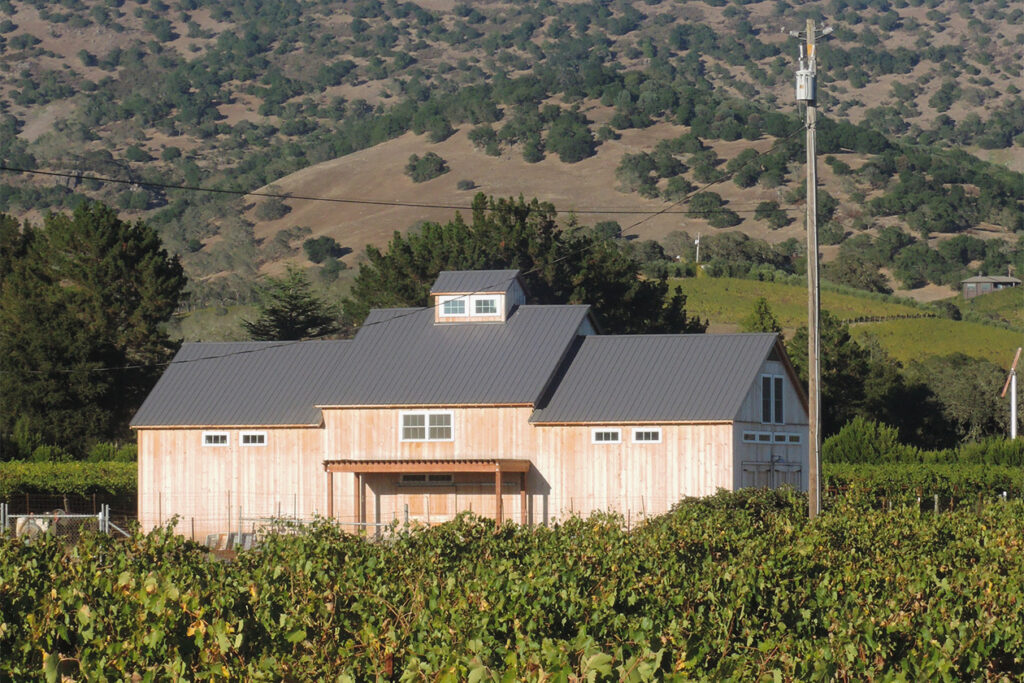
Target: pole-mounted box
point(805, 86)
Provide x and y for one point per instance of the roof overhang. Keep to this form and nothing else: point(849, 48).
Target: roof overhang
point(488, 465)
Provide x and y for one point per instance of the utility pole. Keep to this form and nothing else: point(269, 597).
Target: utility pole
point(806, 87)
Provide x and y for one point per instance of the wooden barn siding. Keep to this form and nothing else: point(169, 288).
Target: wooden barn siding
point(212, 485)
point(570, 475)
point(749, 420)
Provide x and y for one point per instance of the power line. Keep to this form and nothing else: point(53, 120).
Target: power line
point(418, 310)
point(348, 200)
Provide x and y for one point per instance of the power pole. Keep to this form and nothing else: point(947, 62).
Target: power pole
point(806, 85)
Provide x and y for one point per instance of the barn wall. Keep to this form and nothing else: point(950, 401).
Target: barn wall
point(753, 463)
point(211, 487)
point(570, 475)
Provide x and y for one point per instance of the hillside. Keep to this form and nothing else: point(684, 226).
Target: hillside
point(612, 111)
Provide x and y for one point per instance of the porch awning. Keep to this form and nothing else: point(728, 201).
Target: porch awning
point(487, 465)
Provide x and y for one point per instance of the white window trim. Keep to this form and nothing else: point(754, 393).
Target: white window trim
point(484, 297)
point(773, 438)
point(242, 435)
point(594, 432)
point(656, 430)
point(445, 299)
point(772, 398)
point(227, 439)
point(426, 425)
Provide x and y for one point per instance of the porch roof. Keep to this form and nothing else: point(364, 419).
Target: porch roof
point(488, 465)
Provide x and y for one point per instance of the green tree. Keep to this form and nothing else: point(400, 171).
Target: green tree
point(289, 310)
point(558, 267)
point(82, 315)
point(761, 319)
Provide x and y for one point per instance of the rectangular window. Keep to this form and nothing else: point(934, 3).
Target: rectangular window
point(426, 426)
point(440, 427)
point(455, 305)
point(749, 437)
point(606, 436)
point(772, 393)
point(485, 306)
point(780, 438)
point(794, 438)
point(253, 438)
point(778, 401)
point(215, 438)
point(647, 435)
point(764, 437)
point(421, 479)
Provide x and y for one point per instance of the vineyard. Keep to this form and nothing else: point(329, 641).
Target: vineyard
point(734, 587)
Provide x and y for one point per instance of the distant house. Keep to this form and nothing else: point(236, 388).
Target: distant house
point(479, 402)
point(983, 284)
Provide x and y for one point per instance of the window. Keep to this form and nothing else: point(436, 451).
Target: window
point(485, 305)
point(253, 438)
point(647, 435)
point(772, 399)
point(426, 426)
point(455, 305)
point(606, 436)
point(426, 479)
point(215, 438)
point(749, 437)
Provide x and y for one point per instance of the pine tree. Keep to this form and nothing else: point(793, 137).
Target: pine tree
point(290, 311)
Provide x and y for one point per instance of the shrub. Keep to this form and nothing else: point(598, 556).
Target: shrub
point(866, 441)
point(319, 249)
point(465, 184)
point(272, 209)
point(427, 167)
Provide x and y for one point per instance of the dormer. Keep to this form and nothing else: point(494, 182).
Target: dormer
point(476, 296)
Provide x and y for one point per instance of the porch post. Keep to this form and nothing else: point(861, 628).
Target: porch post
point(330, 494)
point(357, 481)
point(497, 494)
point(522, 498)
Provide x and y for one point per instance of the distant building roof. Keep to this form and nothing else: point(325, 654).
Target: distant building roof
point(481, 281)
point(242, 384)
point(402, 358)
point(993, 279)
point(657, 378)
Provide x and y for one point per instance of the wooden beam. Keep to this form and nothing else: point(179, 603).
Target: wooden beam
point(355, 498)
point(497, 495)
point(522, 498)
point(330, 494)
point(425, 466)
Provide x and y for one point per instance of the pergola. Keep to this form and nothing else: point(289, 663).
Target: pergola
point(360, 468)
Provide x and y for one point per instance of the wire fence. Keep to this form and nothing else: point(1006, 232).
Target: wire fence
point(58, 523)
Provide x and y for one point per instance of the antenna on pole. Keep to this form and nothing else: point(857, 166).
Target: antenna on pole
point(1011, 384)
point(806, 92)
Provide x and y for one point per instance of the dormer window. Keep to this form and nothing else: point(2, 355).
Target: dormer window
point(453, 306)
point(485, 305)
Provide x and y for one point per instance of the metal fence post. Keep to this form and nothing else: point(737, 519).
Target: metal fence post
point(3, 518)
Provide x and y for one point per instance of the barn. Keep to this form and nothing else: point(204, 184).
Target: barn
point(478, 402)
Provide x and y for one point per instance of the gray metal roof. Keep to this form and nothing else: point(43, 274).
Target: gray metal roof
point(657, 377)
point(1001, 279)
point(400, 356)
point(242, 384)
point(467, 281)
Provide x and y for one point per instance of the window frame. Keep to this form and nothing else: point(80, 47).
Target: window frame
point(426, 414)
point(460, 298)
point(208, 435)
point(262, 435)
point(773, 391)
point(605, 430)
point(653, 430)
point(477, 299)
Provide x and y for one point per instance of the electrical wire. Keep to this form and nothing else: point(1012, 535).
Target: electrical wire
point(343, 200)
point(416, 311)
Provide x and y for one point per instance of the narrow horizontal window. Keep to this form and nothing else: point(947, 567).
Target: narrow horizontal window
point(253, 438)
point(215, 438)
point(794, 438)
point(606, 436)
point(647, 435)
point(749, 437)
point(764, 437)
point(780, 438)
point(413, 478)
